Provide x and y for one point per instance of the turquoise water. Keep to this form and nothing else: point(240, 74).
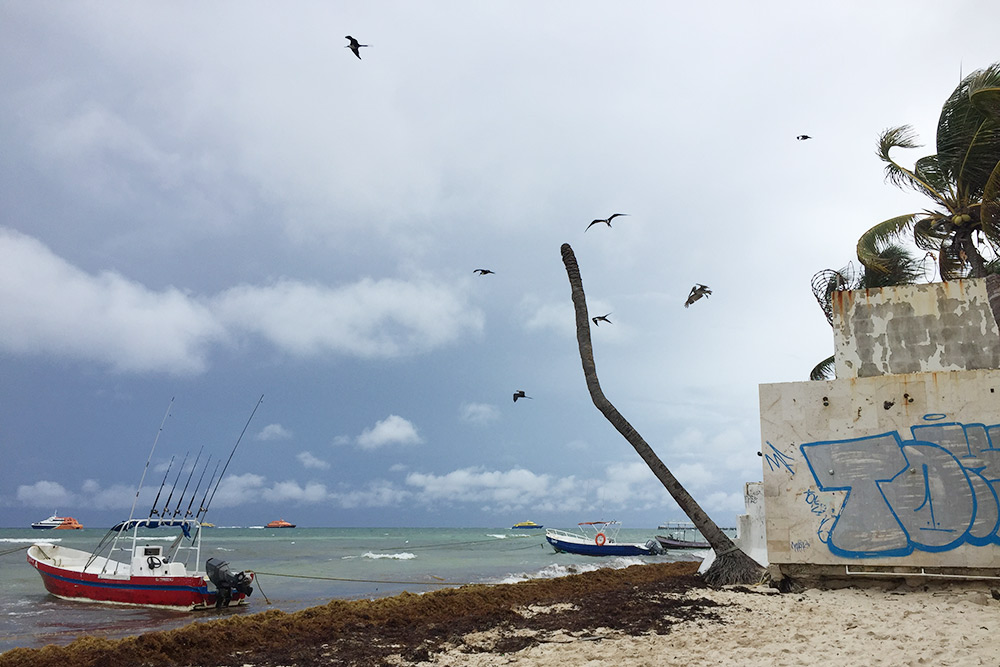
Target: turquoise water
point(297, 568)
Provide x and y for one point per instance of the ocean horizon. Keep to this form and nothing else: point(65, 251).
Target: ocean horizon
point(296, 568)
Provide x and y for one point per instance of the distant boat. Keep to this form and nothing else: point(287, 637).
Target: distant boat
point(60, 522)
point(679, 536)
point(526, 524)
point(206, 524)
point(280, 523)
point(602, 543)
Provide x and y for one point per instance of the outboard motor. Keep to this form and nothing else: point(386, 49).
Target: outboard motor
point(654, 547)
point(226, 582)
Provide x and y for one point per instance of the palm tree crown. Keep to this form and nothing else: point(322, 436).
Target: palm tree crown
point(962, 179)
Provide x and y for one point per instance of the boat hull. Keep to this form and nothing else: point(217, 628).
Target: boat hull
point(185, 593)
point(673, 543)
point(593, 549)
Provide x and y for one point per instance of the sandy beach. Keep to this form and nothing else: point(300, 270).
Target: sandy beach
point(643, 615)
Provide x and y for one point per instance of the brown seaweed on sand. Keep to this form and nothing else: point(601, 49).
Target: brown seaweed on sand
point(636, 600)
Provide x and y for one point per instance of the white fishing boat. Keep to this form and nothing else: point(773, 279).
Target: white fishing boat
point(129, 567)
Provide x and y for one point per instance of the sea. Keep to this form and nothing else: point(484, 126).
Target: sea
point(296, 568)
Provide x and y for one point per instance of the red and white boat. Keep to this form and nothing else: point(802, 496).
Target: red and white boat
point(130, 568)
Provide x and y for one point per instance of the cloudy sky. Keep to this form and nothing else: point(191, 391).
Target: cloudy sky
point(214, 202)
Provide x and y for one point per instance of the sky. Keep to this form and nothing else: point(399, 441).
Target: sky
point(209, 203)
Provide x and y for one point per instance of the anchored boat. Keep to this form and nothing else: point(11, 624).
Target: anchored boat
point(57, 522)
point(598, 538)
point(127, 567)
point(280, 523)
point(521, 525)
point(680, 536)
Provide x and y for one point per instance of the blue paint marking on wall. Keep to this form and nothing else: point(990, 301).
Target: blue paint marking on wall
point(934, 492)
point(776, 459)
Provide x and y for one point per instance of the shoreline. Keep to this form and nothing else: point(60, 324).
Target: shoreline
point(654, 614)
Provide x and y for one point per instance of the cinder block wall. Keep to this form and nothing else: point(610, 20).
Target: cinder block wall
point(894, 467)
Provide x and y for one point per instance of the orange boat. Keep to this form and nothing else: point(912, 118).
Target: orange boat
point(280, 523)
point(60, 522)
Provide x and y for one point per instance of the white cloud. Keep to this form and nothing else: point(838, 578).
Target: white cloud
point(310, 461)
point(52, 307)
point(44, 494)
point(368, 319)
point(393, 430)
point(378, 493)
point(291, 491)
point(274, 432)
point(479, 413)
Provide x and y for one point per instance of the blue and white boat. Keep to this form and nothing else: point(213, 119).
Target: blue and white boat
point(598, 538)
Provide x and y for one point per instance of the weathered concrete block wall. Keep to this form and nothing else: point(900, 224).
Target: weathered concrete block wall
point(882, 470)
point(914, 328)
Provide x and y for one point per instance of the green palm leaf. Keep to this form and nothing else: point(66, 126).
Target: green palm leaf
point(876, 239)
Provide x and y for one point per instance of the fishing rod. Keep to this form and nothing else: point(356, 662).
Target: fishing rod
point(194, 495)
point(148, 458)
point(152, 510)
point(223, 473)
point(201, 507)
point(166, 506)
point(177, 510)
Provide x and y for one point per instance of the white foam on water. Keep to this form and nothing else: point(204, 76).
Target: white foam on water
point(557, 570)
point(29, 540)
point(499, 537)
point(402, 556)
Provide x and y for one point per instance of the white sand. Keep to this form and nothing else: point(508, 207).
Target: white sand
point(945, 625)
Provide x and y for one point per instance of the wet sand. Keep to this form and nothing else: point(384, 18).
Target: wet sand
point(644, 615)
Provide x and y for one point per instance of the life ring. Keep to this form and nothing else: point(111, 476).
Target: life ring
point(599, 539)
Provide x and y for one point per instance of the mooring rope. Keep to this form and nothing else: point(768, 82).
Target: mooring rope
point(10, 551)
point(363, 581)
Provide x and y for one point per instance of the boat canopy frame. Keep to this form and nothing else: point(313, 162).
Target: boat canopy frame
point(124, 538)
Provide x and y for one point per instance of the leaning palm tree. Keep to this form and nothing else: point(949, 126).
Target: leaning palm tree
point(900, 268)
point(962, 180)
point(731, 565)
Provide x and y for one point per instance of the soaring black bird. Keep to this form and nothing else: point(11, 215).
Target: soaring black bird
point(601, 318)
point(606, 221)
point(803, 137)
point(519, 394)
point(697, 292)
point(483, 272)
point(354, 46)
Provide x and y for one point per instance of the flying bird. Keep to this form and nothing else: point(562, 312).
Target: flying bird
point(606, 221)
point(803, 137)
point(354, 46)
point(601, 318)
point(483, 272)
point(697, 292)
point(519, 394)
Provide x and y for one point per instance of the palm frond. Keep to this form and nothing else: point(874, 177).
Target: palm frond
point(902, 269)
point(968, 134)
point(950, 263)
point(879, 237)
point(984, 91)
point(824, 370)
point(930, 230)
point(989, 212)
point(929, 169)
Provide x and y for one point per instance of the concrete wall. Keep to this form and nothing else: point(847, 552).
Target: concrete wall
point(881, 470)
point(915, 328)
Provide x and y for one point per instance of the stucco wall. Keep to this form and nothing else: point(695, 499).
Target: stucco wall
point(914, 328)
point(895, 465)
point(894, 470)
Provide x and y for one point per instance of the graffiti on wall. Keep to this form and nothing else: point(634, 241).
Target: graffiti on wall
point(932, 492)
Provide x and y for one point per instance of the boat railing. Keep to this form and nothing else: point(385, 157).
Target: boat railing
point(124, 538)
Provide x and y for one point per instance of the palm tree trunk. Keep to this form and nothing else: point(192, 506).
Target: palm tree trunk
point(731, 565)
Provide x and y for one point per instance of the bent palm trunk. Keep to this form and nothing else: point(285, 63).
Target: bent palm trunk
point(731, 565)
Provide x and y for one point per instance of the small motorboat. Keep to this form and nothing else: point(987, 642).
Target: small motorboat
point(521, 525)
point(598, 538)
point(280, 523)
point(58, 522)
point(151, 576)
point(681, 536)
